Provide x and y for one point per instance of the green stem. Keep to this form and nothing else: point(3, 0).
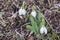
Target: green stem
point(33, 8)
point(22, 6)
point(43, 22)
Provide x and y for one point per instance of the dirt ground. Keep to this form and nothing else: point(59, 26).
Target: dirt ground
point(12, 27)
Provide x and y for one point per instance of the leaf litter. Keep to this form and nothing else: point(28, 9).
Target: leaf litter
point(12, 27)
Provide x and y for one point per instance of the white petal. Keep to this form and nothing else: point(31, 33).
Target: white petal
point(33, 13)
point(22, 11)
point(43, 30)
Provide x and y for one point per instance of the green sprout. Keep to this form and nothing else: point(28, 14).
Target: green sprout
point(36, 24)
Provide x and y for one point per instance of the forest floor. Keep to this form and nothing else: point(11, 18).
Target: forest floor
point(12, 27)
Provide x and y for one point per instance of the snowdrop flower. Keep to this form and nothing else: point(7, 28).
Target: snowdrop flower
point(22, 10)
point(33, 13)
point(43, 30)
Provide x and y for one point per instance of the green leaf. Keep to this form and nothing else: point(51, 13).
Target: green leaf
point(30, 28)
point(39, 15)
point(39, 18)
point(34, 24)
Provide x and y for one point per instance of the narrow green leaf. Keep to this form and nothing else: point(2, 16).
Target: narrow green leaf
point(39, 15)
point(39, 18)
point(30, 28)
point(34, 25)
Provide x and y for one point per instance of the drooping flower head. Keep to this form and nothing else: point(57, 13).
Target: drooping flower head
point(22, 10)
point(33, 13)
point(43, 29)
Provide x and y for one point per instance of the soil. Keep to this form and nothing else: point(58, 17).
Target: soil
point(12, 27)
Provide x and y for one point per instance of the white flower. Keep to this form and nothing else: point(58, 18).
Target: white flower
point(43, 30)
point(22, 11)
point(33, 13)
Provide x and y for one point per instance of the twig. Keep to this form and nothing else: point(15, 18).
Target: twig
point(17, 32)
point(49, 3)
point(56, 11)
point(25, 24)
